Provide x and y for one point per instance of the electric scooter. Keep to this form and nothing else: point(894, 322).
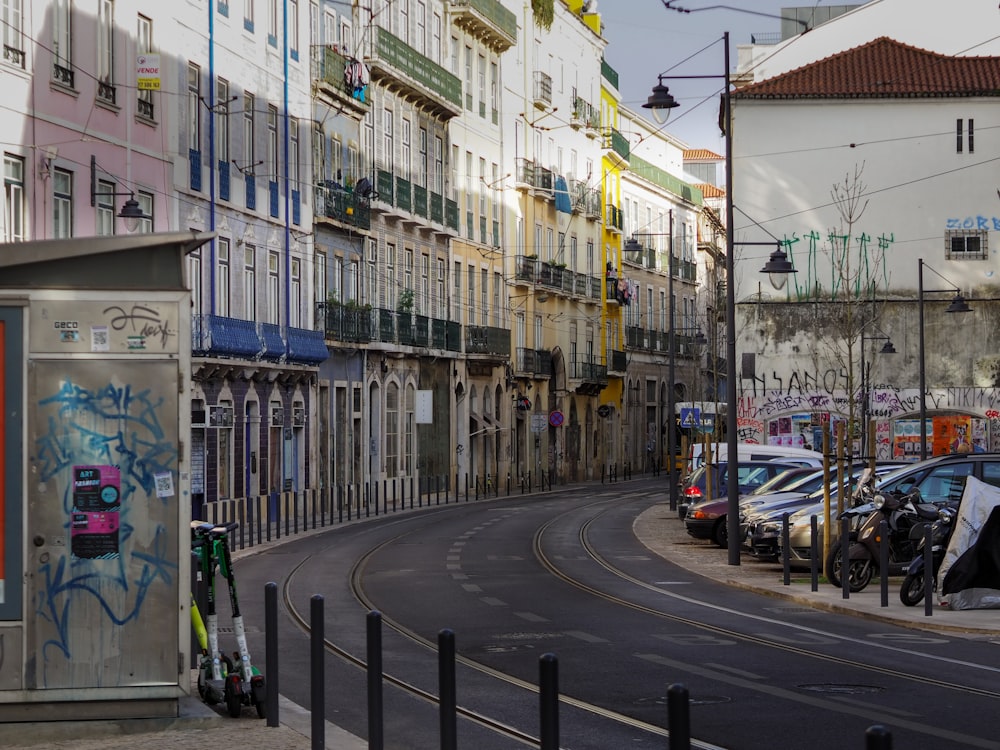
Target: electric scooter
point(234, 682)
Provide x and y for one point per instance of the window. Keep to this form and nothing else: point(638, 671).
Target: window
point(145, 201)
point(194, 107)
point(495, 92)
point(273, 288)
point(482, 86)
point(472, 296)
point(62, 204)
point(468, 78)
point(272, 143)
point(105, 208)
point(387, 145)
point(961, 125)
point(250, 282)
point(106, 51)
point(222, 120)
point(438, 165)
point(194, 276)
point(390, 276)
point(272, 22)
point(144, 45)
point(295, 290)
point(13, 44)
point(436, 38)
point(420, 40)
point(222, 278)
point(404, 157)
point(319, 280)
point(424, 303)
point(408, 270)
point(293, 30)
point(248, 132)
point(13, 194)
point(966, 244)
point(404, 20)
point(293, 152)
point(422, 163)
point(62, 42)
point(248, 15)
point(391, 429)
point(319, 154)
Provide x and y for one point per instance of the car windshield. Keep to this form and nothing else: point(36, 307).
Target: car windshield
point(786, 481)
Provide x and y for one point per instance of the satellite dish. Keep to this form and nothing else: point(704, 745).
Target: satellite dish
point(363, 188)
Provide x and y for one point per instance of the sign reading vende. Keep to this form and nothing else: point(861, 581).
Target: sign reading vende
point(147, 72)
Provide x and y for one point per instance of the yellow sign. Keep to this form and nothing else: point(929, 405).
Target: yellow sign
point(147, 72)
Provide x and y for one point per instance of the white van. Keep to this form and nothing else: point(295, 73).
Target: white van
point(754, 452)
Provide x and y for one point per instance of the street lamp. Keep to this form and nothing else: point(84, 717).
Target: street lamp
point(632, 245)
point(866, 385)
point(661, 101)
point(131, 211)
point(958, 305)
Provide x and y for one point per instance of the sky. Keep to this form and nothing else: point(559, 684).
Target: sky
point(646, 39)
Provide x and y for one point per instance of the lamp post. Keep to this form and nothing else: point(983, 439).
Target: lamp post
point(632, 245)
point(661, 100)
point(887, 348)
point(131, 211)
point(958, 305)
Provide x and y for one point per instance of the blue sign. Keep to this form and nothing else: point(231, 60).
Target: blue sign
point(690, 417)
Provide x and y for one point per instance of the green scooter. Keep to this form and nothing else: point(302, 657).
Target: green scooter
point(235, 682)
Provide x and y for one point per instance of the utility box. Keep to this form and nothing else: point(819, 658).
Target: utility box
point(94, 487)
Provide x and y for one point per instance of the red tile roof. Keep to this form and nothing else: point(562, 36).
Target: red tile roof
point(701, 154)
point(883, 69)
point(710, 191)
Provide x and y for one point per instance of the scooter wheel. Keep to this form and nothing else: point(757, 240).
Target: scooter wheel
point(859, 572)
point(261, 713)
point(234, 698)
point(911, 593)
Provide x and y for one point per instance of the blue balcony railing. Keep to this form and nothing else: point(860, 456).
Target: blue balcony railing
point(274, 344)
point(306, 346)
point(216, 335)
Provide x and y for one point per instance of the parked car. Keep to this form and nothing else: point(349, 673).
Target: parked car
point(760, 524)
point(751, 452)
point(940, 480)
point(695, 487)
point(707, 519)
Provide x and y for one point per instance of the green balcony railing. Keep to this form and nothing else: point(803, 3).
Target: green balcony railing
point(494, 12)
point(404, 194)
point(608, 73)
point(437, 208)
point(420, 201)
point(384, 185)
point(619, 144)
point(451, 214)
point(395, 57)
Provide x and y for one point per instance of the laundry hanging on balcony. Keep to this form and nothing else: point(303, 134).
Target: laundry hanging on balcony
point(357, 78)
point(563, 203)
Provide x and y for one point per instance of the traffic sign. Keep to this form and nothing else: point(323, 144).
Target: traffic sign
point(556, 418)
point(603, 410)
point(690, 417)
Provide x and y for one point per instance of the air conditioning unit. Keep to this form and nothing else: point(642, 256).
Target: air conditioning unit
point(198, 417)
point(277, 416)
point(220, 416)
point(298, 416)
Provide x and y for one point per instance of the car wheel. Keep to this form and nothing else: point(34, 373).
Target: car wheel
point(720, 533)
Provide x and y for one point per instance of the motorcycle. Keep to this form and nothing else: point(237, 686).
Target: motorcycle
point(911, 593)
point(901, 511)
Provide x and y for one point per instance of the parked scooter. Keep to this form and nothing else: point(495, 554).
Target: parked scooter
point(235, 682)
point(901, 511)
point(911, 593)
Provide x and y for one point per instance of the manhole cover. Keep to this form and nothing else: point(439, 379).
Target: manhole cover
point(834, 689)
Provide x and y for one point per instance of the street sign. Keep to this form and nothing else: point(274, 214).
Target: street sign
point(690, 417)
point(538, 422)
point(603, 410)
point(556, 418)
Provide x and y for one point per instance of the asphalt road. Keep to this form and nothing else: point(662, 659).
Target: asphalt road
point(563, 574)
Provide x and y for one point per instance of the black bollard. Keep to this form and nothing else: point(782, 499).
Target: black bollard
point(446, 690)
point(548, 701)
point(883, 561)
point(786, 560)
point(814, 551)
point(317, 671)
point(928, 570)
point(679, 717)
point(271, 653)
point(845, 557)
point(877, 737)
point(375, 722)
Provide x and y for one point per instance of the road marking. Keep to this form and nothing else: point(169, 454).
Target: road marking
point(586, 637)
point(493, 601)
point(531, 617)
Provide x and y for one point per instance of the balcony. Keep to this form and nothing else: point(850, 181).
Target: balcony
point(334, 80)
point(533, 177)
point(533, 363)
point(585, 115)
point(413, 76)
point(617, 147)
point(589, 373)
point(342, 205)
point(347, 323)
point(274, 344)
point(614, 219)
point(619, 363)
point(491, 343)
point(218, 336)
point(487, 20)
point(306, 346)
point(542, 90)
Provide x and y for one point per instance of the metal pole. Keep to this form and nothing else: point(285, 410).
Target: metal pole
point(732, 438)
point(317, 673)
point(671, 376)
point(920, 362)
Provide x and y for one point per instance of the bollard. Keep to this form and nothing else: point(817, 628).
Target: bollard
point(678, 717)
point(845, 557)
point(271, 653)
point(375, 723)
point(786, 560)
point(548, 701)
point(814, 551)
point(883, 560)
point(317, 671)
point(877, 737)
point(446, 690)
point(928, 570)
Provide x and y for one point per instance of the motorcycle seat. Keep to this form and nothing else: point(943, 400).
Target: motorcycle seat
point(926, 510)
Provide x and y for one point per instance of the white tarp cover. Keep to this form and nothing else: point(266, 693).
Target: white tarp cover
point(969, 573)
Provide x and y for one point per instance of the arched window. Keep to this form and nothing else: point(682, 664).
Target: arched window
point(391, 429)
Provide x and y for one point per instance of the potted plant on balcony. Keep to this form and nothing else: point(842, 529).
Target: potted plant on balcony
point(405, 303)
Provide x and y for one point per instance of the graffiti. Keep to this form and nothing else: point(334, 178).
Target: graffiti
point(142, 321)
point(830, 381)
point(978, 223)
point(863, 269)
point(114, 425)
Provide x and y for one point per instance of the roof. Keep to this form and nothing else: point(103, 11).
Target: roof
point(710, 191)
point(701, 154)
point(883, 68)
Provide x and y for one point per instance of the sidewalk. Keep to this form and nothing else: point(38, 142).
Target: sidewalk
point(658, 528)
